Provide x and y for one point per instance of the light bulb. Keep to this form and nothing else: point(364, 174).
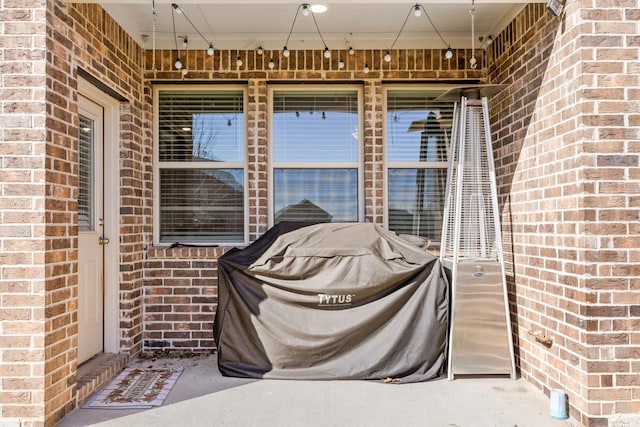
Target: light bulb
point(351, 51)
point(184, 71)
point(259, 50)
point(239, 62)
point(327, 52)
point(489, 40)
point(271, 63)
point(387, 57)
point(305, 9)
point(185, 42)
point(178, 64)
point(340, 64)
point(285, 52)
point(366, 68)
point(449, 53)
point(210, 49)
point(416, 10)
point(177, 9)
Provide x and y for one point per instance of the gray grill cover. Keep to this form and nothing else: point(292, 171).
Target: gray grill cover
point(331, 301)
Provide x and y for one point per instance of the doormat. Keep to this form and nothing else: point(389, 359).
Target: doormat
point(136, 388)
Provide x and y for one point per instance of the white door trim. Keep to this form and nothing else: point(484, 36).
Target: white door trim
point(111, 211)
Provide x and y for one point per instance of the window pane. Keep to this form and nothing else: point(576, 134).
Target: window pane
point(418, 127)
point(197, 126)
point(85, 174)
point(201, 205)
point(315, 126)
point(323, 195)
point(416, 201)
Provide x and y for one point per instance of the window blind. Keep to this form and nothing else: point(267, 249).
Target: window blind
point(196, 126)
point(316, 155)
point(315, 127)
point(418, 131)
point(85, 174)
point(201, 153)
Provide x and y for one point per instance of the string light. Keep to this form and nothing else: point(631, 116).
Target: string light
point(306, 11)
point(259, 50)
point(448, 53)
point(417, 10)
point(239, 61)
point(179, 11)
point(473, 62)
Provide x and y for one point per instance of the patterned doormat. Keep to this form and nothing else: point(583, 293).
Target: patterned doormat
point(136, 388)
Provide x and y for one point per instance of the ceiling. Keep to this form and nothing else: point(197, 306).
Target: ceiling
point(362, 24)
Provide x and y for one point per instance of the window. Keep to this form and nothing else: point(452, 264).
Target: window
point(86, 174)
point(316, 155)
point(418, 129)
point(200, 174)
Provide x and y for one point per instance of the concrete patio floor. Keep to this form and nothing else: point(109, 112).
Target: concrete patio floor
point(203, 397)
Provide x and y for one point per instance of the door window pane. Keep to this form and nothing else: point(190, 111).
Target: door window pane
point(86, 174)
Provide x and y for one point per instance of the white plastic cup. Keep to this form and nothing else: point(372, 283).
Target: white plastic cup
point(558, 405)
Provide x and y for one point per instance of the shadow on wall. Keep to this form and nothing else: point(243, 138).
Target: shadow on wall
point(521, 56)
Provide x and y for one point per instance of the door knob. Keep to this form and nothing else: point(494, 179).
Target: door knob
point(103, 241)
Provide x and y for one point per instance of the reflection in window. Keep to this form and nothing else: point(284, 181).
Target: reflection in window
point(418, 129)
point(201, 153)
point(315, 155)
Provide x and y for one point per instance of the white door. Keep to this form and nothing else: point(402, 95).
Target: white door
point(91, 240)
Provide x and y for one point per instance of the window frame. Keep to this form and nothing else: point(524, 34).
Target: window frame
point(158, 165)
point(407, 164)
point(358, 165)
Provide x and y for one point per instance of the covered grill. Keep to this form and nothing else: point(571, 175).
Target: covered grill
point(471, 246)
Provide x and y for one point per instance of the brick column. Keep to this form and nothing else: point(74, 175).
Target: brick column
point(373, 152)
point(23, 196)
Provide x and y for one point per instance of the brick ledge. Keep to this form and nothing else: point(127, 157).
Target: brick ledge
point(96, 372)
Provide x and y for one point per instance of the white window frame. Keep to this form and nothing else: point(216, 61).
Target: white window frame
point(358, 165)
point(157, 165)
point(402, 164)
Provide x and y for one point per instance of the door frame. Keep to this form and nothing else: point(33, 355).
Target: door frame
point(111, 209)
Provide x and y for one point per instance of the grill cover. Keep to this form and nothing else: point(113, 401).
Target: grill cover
point(331, 301)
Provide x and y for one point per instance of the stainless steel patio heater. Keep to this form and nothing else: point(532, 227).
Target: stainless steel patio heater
point(480, 340)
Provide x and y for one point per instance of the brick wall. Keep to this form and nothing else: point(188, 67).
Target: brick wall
point(84, 37)
point(568, 157)
point(23, 231)
point(43, 45)
point(180, 291)
point(567, 152)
